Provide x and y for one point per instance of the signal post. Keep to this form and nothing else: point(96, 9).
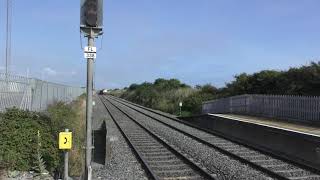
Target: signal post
point(91, 17)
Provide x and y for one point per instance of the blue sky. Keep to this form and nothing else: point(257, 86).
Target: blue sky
point(196, 41)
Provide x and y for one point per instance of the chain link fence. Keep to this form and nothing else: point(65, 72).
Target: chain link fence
point(33, 94)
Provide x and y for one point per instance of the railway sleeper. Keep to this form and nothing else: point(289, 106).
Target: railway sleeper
point(147, 144)
point(176, 173)
point(161, 158)
point(183, 178)
point(309, 177)
point(162, 153)
point(174, 167)
point(152, 150)
point(293, 173)
point(165, 162)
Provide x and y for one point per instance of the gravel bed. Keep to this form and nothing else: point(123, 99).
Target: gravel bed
point(240, 150)
point(123, 163)
point(138, 138)
point(23, 175)
point(216, 162)
point(99, 113)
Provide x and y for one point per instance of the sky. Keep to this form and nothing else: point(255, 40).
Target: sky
point(195, 41)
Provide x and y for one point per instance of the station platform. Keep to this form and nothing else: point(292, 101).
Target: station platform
point(274, 123)
point(289, 141)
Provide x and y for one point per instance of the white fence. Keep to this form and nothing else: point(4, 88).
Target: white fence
point(299, 108)
point(33, 94)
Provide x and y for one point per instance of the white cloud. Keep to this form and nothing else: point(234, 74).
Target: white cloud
point(50, 71)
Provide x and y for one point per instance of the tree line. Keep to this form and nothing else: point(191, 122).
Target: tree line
point(165, 94)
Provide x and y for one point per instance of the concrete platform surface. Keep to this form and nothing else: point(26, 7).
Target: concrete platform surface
point(280, 124)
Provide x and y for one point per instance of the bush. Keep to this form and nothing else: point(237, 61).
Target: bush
point(19, 147)
point(72, 117)
point(19, 140)
point(62, 116)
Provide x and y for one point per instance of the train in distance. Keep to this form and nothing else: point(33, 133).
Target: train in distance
point(103, 91)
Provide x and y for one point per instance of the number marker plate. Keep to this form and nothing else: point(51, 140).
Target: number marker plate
point(90, 49)
point(90, 55)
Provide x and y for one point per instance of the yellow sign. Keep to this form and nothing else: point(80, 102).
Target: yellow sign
point(65, 140)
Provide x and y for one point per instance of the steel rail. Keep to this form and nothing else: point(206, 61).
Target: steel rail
point(231, 139)
point(149, 171)
point(243, 160)
point(203, 171)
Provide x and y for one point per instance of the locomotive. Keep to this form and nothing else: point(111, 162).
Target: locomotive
point(103, 92)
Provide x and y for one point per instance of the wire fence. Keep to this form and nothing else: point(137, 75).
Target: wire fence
point(33, 94)
point(298, 108)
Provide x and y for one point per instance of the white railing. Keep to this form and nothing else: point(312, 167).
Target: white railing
point(33, 94)
point(299, 108)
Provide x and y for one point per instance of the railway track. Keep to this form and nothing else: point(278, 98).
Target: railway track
point(272, 166)
point(161, 160)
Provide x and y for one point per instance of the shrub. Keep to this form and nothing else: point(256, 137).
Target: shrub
point(21, 147)
point(72, 117)
point(19, 140)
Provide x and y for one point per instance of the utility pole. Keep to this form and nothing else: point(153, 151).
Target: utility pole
point(90, 62)
point(91, 15)
point(8, 36)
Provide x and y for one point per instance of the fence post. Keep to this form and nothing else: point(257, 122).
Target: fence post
point(248, 101)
